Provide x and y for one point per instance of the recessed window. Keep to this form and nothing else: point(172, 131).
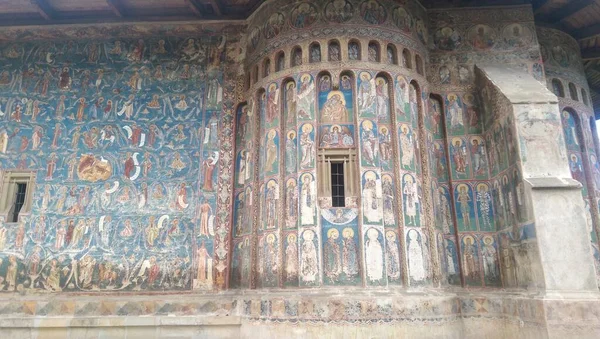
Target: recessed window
point(337, 174)
point(338, 196)
point(15, 197)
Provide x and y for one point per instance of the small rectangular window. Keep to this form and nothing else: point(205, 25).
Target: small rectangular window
point(337, 184)
point(16, 191)
point(19, 201)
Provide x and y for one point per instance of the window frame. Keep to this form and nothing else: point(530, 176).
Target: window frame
point(348, 157)
point(9, 189)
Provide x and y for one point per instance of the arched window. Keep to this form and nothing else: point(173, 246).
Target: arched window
point(584, 97)
point(280, 62)
point(419, 63)
point(297, 56)
point(374, 52)
point(315, 52)
point(354, 50)
point(333, 51)
point(406, 59)
point(392, 55)
point(558, 88)
point(266, 67)
point(573, 91)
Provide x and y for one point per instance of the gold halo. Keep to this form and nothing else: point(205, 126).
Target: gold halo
point(272, 134)
point(271, 183)
point(573, 157)
point(334, 126)
point(305, 77)
point(291, 134)
point(481, 186)
point(452, 97)
point(386, 176)
point(248, 190)
point(381, 128)
point(331, 232)
point(370, 175)
point(454, 140)
point(291, 238)
point(342, 99)
point(291, 181)
point(461, 186)
point(306, 175)
point(488, 240)
point(348, 232)
point(365, 74)
point(390, 234)
point(290, 84)
point(271, 238)
point(408, 178)
point(381, 80)
point(272, 87)
point(468, 237)
point(307, 128)
point(367, 124)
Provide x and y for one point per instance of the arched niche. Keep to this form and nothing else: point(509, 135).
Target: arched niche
point(557, 88)
point(573, 91)
point(280, 61)
point(296, 56)
point(406, 59)
point(266, 67)
point(354, 52)
point(314, 51)
point(334, 53)
point(374, 51)
point(392, 54)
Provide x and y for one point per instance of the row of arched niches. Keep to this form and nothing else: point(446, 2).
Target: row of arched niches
point(566, 78)
point(427, 199)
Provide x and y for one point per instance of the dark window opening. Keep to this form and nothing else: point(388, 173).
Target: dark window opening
point(337, 184)
point(19, 201)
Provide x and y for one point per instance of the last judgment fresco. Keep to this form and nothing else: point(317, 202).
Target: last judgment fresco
point(124, 136)
point(202, 162)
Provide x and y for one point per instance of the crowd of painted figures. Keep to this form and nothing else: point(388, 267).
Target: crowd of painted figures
point(123, 136)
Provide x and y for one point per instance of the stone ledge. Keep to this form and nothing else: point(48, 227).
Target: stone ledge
point(116, 321)
point(541, 183)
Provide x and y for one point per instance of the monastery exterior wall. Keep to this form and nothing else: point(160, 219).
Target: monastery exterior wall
point(183, 179)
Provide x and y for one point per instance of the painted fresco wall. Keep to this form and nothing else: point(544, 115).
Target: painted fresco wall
point(124, 135)
point(135, 148)
point(474, 152)
point(352, 107)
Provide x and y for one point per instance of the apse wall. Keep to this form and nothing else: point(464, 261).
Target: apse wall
point(342, 79)
point(125, 137)
point(565, 77)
